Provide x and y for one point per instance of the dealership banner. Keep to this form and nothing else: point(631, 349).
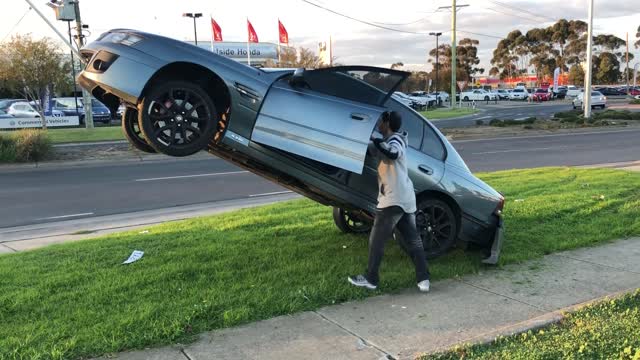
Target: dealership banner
point(556, 77)
point(30, 122)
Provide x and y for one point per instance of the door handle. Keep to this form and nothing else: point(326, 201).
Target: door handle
point(360, 117)
point(425, 169)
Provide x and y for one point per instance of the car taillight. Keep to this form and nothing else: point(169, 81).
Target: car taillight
point(498, 210)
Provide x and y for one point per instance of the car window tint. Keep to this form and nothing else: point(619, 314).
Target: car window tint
point(362, 86)
point(431, 144)
point(411, 122)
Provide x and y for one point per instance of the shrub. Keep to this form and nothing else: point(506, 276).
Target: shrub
point(31, 145)
point(496, 122)
point(567, 114)
point(479, 122)
point(634, 102)
point(7, 149)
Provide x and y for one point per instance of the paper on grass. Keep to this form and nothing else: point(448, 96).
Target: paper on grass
point(135, 256)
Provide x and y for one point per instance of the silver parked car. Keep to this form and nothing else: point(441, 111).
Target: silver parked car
point(307, 130)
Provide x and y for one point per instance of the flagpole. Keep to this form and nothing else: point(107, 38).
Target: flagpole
point(248, 38)
point(213, 36)
point(279, 42)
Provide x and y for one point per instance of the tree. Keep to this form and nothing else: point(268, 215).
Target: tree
point(467, 59)
point(576, 75)
point(637, 44)
point(397, 65)
point(606, 68)
point(289, 57)
point(33, 67)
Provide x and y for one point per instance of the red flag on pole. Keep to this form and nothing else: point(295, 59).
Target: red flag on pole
point(217, 31)
point(283, 35)
point(253, 37)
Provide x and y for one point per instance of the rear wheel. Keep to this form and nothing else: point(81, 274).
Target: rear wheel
point(132, 132)
point(348, 222)
point(486, 98)
point(466, 98)
point(177, 118)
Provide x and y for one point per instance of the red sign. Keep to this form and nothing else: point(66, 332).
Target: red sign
point(462, 84)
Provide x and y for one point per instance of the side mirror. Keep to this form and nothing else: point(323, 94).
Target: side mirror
point(297, 79)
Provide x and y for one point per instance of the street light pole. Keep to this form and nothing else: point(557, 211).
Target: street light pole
point(586, 99)
point(194, 16)
point(436, 34)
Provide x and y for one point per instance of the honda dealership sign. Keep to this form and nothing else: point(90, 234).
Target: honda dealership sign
point(260, 52)
point(32, 122)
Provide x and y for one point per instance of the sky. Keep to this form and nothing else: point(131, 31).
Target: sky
point(353, 42)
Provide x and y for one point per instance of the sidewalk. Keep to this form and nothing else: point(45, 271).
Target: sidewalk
point(472, 308)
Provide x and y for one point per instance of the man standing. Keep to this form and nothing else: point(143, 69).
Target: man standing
point(396, 205)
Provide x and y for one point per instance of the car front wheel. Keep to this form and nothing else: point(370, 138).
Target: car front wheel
point(466, 98)
point(132, 132)
point(177, 118)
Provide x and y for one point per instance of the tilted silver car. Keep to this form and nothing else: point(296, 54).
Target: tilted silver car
point(305, 130)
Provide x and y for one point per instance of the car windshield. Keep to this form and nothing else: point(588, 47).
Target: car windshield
point(541, 91)
point(595, 93)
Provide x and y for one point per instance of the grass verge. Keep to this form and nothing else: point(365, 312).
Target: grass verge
point(60, 136)
point(606, 330)
point(446, 113)
point(77, 300)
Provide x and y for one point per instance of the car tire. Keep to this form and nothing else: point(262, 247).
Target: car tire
point(131, 130)
point(435, 214)
point(486, 98)
point(348, 223)
point(466, 98)
point(161, 118)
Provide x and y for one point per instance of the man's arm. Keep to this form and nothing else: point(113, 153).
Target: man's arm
point(390, 150)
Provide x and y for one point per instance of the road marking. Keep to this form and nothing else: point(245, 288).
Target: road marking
point(515, 150)
point(543, 136)
point(522, 118)
point(272, 193)
point(65, 216)
point(193, 176)
point(484, 117)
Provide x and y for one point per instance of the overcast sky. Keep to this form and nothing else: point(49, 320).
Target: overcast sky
point(354, 42)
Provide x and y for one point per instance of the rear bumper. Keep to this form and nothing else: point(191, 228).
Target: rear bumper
point(478, 232)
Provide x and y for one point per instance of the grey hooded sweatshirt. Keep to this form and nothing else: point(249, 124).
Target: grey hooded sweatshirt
point(394, 186)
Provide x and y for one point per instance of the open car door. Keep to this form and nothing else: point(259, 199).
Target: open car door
point(326, 115)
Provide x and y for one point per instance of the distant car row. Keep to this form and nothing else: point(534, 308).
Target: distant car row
point(61, 107)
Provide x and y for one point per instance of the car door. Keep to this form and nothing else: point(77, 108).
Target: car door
point(326, 115)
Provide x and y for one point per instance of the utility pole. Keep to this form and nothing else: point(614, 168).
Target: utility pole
point(86, 98)
point(454, 10)
point(626, 70)
point(73, 71)
point(586, 99)
point(436, 34)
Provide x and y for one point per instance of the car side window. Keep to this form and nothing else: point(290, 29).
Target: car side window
point(411, 122)
point(432, 145)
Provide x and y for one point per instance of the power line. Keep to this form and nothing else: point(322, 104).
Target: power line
point(509, 14)
point(364, 21)
point(407, 23)
point(16, 25)
point(521, 10)
point(480, 34)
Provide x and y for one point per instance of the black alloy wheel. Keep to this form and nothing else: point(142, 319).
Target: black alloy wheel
point(437, 226)
point(348, 222)
point(132, 132)
point(178, 118)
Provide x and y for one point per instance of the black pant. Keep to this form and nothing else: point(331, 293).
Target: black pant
point(385, 221)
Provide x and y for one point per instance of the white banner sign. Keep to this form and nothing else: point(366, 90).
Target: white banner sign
point(556, 77)
point(30, 122)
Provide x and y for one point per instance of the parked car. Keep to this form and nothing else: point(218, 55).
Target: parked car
point(478, 95)
point(608, 91)
point(424, 98)
point(442, 96)
point(632, 91)
point(502, 94)
point(68, 106)
point(519, 94)
point(573, 91)
point(597, 100)
point(306, 130)
point(4, 115)
point(25, 109)
point(5, 103)
point(404, 100)
point(541, 95)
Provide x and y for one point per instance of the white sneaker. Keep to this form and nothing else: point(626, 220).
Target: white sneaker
point(424, 285)
point(361, 281)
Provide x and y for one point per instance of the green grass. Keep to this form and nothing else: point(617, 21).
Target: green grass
point(446, 113)
point(606, 330)
point(103, 133)
point(77, 300)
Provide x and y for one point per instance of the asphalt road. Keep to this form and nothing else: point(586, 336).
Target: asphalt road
point(32, 196)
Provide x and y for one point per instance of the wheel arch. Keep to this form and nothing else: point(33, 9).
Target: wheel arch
point(210, 82)
point(448, 199)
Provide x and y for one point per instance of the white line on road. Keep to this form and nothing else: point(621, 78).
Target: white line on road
point(192, 176)
point(484, 117)
point(272, 193)
point(521, 118)
point(514, 150)
point(65, 216)
point(543, 136)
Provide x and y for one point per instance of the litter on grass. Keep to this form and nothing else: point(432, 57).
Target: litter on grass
point(135, 256)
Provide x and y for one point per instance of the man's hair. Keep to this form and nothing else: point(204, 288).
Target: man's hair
point(394, 120)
